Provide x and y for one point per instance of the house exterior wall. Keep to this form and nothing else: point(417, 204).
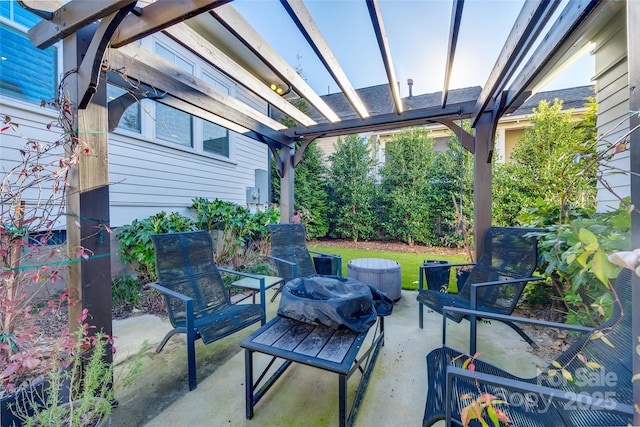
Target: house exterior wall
point(148, 175)
point(613, 104)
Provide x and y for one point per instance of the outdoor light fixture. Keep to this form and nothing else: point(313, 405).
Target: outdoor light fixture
point(279, 89)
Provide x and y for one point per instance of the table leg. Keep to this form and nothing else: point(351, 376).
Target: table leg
point(342, 397)
point(248, 386)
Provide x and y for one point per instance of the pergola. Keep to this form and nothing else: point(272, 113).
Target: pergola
point(98, 42)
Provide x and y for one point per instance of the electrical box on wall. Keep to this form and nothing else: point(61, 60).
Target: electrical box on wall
point(253, 196)
point(262, 185)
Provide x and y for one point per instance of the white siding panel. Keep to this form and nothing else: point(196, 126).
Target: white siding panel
point(613, 110)
point(147, 177)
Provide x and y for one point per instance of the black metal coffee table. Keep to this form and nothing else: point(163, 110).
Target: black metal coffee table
point(323, 348)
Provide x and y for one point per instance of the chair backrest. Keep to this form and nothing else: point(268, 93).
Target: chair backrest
point(507, 253)
point(289, 242)
point(184, 263)
point(614, 354)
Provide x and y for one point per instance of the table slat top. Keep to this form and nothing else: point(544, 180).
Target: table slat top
point(331, 349)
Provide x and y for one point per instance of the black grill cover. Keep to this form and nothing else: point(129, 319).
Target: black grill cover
point(330, 301)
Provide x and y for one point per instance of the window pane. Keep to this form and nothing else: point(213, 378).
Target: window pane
point(215, 139)
point(173, 58)
point(173, 125)
point(131, 118)
point(27, 72)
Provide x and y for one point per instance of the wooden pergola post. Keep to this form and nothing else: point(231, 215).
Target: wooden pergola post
point(89, 280)
point(482, 168)
point(286, 185)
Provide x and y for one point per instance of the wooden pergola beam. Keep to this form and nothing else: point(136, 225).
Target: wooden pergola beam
point(532, 18)
point(555, 44)
point(387, 121)
point(160, 15)
point(385, 51)
point(146, 68)
point(190, 39)
point(454, 29)
point(71, 17)
point(246, 34)
point(307, 26)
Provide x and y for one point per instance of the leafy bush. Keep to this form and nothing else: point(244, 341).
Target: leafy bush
point(135, 245)
point(543, 164)
point(574, 259)
point(240, 229)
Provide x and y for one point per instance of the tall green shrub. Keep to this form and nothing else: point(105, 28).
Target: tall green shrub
point(543, 164)
point(351, 189)
point(406, 186)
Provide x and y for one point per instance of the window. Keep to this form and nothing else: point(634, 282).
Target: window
point(173, 125)
point(215, 138)
point(26, 72)
point(130, 120)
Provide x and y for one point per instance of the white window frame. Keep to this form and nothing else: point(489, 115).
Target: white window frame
point(148, 123)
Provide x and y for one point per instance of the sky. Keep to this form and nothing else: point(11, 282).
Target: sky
point(418, 32)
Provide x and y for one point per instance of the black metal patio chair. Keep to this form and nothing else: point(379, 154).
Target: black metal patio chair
point(495, 282)
point(293, 258)
point(197, 301)
point(599, 395)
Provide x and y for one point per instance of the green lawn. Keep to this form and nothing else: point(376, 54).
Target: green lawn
point(409, 262)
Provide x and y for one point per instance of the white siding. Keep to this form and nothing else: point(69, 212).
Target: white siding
point(148, 176)
point(612, 89)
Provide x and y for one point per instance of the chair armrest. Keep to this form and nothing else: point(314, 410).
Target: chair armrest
point(508, 318)
point(294, 266)
point(170, 292)
point(189, 308)
point(547, 393)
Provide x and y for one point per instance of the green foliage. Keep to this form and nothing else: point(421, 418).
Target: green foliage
point(574, 257)
point(125, 291)
point(134, 241)
point(351, 190)
point(405, 185)
point(543, 164)
point(239, 228)
point(214, 215)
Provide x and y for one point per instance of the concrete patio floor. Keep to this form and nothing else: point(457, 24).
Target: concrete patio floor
point(304, 396)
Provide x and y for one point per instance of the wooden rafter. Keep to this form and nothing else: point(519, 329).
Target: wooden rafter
point(42, 8)
point(241, 29)
point(557, 41)
point(159, 15)
point(385, 121)
point(71, 17)
point(456, 18)
point(307, 26)
point(146, 68)
point(531, 20)
point(385, 51)
point(211, 54)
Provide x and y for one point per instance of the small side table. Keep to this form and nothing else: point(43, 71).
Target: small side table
point(254, 285)
point(382, 274)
